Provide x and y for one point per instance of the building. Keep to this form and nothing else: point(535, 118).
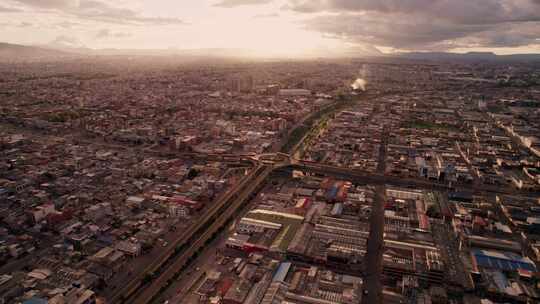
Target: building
point(294, 92)
point(129, 248)
point(177, 210)
point(249, 225)
point(41, 212)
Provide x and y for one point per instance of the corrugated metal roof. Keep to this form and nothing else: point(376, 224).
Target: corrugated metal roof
point(502, 260)
point(337, 209)
point(281, 272)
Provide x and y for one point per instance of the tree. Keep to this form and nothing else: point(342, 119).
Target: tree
point(148, 278)
point(433, 211)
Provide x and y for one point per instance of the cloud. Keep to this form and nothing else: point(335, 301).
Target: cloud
point(67, 24)
point(263, 16)
point(378, 30)
point(424, 24)
point(235, 3)
point(4, 9)
point(64, 41)
point(106, 33)
point(463, 11)
point(99, 11)
point(505, 35)
point(50, 4)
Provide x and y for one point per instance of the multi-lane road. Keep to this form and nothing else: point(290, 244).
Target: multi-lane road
point(199, 241)
point(175, 257)
point(354, 175)
point(372, 289)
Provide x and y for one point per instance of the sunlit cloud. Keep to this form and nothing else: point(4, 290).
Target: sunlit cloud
point(235, 3)
point(100, 11)
point(288, 27)
point(425, 24)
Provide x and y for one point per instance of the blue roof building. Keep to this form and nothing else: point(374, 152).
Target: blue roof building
point(505, 261)
point(35, 300)
point(281, 272)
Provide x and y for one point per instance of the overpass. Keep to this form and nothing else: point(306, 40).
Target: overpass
point(355, 175)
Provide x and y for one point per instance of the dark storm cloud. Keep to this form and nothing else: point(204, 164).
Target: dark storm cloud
point(508, 35)
point(235, 3)
point(399, 31)
point(425, 24)
point(463, 11)
point(99, 11)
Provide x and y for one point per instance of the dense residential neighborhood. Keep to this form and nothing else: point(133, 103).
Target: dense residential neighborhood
point(171, 181)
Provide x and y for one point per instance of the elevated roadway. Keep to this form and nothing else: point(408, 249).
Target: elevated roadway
point(190, 241)
point(198, 241)
point(355, 175)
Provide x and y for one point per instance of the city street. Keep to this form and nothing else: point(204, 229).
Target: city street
point(375, 247)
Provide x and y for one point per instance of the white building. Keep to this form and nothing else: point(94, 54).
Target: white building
point(129, 248)
point(42, 211)
point(177, 210)
point(294, 92)
point(135, 201)
point(249, 225)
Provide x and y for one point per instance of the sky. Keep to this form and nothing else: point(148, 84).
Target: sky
point(277, 27)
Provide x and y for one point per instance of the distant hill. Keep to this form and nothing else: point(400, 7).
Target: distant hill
point(16, 52)
point(179, 52)
point(471, 56)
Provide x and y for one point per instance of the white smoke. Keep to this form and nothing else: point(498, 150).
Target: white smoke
point(359, 84)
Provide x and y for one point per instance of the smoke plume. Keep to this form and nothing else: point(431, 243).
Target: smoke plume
point(359, 84)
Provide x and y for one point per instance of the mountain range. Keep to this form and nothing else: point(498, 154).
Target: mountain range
point(471, 56)
point(9, 52)
point(16, 52)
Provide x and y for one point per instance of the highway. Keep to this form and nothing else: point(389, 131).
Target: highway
point(234, 205)
point(355, 175)
point(375, 246)
point(373, 259)
point(359, 175)
point(193, 235)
